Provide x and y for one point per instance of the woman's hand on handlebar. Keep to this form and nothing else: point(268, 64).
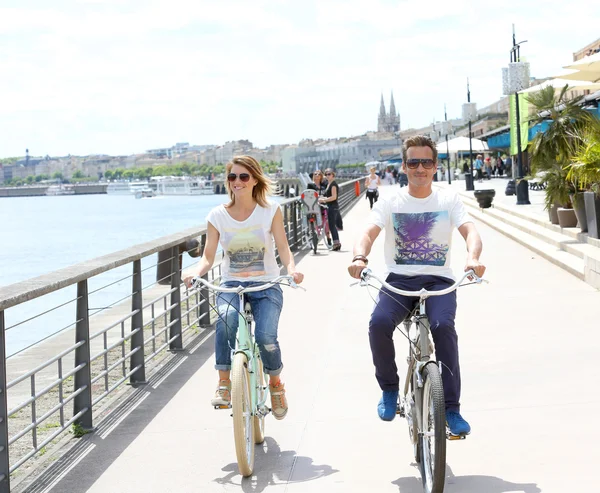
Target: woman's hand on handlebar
point(187, 280)
point(297, 276)
point(476, 266)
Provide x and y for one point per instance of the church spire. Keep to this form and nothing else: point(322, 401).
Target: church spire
point(382, 107)
point(392, 106)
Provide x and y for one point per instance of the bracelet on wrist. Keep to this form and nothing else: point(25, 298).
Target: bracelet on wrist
point(362, 258)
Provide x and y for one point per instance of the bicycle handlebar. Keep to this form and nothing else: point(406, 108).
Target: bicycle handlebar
point(366, 274)
point(197, 282)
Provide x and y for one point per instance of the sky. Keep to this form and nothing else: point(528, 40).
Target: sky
point(119, 77)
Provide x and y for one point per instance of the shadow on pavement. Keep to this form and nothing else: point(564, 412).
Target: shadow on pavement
point(273, 466)
point(94, 453)
point(468, 484)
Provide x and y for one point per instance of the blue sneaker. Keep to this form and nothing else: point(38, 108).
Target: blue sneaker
point(387, 405)
point(456, 424)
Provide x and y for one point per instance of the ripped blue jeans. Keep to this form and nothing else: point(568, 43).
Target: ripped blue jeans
point(266, 308)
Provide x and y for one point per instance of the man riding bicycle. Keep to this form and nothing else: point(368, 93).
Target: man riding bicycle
point(418, 222)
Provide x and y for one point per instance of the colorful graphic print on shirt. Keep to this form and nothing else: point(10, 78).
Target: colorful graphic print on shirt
point(421, 238)
point(246, 251)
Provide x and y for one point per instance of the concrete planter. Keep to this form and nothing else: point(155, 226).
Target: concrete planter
point(566, 218)
point(592, 212)
point(578, 200)
point(485, 198)
point(553, 214)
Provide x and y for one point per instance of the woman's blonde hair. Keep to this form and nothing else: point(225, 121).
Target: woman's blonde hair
point(261, 190)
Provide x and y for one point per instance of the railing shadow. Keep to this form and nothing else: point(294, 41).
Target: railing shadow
point(467, 484)
point(87, 458)
point(273, 466)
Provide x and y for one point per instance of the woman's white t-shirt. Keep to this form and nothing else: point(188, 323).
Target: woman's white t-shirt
point(418, 232)
point(373, 182)
point(248, 245)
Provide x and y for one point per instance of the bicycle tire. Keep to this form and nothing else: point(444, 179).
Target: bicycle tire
point(412, 422)
point(243, 422)
point(261, 390)
point(433, 468)
point(313, 236)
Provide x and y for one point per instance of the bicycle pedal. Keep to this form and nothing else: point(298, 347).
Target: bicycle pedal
point(223, 407)
point(452, 437)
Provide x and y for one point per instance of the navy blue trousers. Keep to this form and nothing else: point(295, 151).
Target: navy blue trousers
point(391, 309)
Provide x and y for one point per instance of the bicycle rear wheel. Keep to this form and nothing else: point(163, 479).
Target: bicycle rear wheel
point(261, 389)
point(433, 433)
point(313, 236)
point(243, 421)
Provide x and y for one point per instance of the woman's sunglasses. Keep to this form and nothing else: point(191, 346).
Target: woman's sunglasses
point(244, 177)
point(414, 163)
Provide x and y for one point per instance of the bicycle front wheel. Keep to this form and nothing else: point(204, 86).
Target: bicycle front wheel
point(261, 390)
point(432, 436)
point(243, 421)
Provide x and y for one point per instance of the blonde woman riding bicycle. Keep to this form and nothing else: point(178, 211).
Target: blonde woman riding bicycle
point(246, 227)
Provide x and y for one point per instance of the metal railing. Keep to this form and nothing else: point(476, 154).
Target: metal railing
point(59, 382)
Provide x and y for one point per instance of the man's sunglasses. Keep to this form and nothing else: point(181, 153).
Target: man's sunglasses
point(328, 174)
point(414, 163)
point(244, 177)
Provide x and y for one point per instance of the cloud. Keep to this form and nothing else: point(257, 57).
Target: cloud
point(120, 77)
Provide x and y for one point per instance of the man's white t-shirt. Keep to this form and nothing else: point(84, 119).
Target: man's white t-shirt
point(418, 232)
point(248, 245)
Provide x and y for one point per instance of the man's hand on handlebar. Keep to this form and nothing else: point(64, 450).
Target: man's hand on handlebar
point(356, 267)
point(476, 266)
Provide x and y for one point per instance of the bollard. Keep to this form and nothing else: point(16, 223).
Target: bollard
point(357, 188)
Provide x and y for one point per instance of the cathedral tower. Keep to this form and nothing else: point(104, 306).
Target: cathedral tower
point(388, 122)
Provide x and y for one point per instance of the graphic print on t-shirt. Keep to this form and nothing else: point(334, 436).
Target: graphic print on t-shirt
point(421, 238)
point(246, 251)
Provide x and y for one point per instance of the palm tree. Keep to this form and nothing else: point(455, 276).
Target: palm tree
point(552, 151)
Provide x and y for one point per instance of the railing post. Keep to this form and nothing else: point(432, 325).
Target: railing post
point(204, 308)
point(83, 378)
point(137, 321)
point(175, 318)
point(295, 224)
point(4, 459)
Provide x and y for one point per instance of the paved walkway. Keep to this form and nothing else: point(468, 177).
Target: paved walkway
point(529, 343)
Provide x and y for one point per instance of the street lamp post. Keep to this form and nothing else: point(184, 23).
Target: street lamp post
point(516, 78)
point(470, 182)
point(447, 148)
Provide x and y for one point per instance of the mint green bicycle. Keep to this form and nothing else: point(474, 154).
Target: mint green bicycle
point(248, 381)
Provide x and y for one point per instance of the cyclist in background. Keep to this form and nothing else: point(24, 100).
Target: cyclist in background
point(246, 228)
point(418, 221)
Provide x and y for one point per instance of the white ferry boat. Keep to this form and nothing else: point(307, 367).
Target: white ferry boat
point(144, 193)
point(125, 187)
point(172, 185)
point(60, 190)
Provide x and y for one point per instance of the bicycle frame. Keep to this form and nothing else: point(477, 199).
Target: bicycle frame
point(244, 343)
point(244, 339)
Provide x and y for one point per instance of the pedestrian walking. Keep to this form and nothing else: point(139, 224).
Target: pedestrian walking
point(372, 183)
point(331, 199)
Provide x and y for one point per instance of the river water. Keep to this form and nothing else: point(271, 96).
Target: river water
point(42, 234)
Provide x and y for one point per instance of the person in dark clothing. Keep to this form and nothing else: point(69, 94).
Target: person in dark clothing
point(321, 184)
point(330, 198)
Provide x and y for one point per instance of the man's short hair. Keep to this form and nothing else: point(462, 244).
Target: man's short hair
point(418, 141)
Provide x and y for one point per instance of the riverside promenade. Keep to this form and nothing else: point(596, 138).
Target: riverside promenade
point(528, 342)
